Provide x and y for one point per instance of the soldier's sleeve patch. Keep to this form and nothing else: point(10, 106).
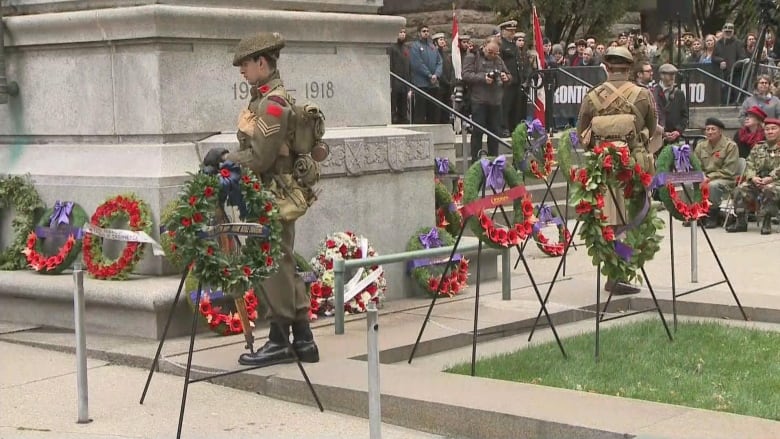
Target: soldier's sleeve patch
point(268, 127)
point(278, 99)
point(274, 110)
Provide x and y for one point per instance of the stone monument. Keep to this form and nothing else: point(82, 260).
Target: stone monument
point(125, 96)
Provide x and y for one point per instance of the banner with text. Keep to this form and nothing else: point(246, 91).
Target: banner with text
point(701, 89)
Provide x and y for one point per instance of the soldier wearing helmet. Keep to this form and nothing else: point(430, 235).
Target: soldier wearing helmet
point(264, 132)
point(619, 111)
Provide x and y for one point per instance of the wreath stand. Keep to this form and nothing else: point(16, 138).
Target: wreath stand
point(680, 181)
point(601, 312)
point(468, 211)
point(195, 316)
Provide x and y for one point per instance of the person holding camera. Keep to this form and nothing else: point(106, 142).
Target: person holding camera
point(485, 74)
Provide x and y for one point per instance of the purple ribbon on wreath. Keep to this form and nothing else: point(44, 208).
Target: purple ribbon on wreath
point(546, 217)
point(575, 139)
point(442, 165)
point(622, 249)
point(431, 239)
point(229, 176)
point(61, 213)
point(682, 158)
point(494, 172)
point(538, 136)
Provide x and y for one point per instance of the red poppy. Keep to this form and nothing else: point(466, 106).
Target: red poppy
point(485, 220)
point(513, 237)
point(265, 247)
point(608, 163)
point(330, 243)
point(264, 89)
point(205, 307)
point(224, 173)
point(343, 250)
point(625, 157)
point(573, 173)
point(582, 176)
point(628, 190)
point(599, 201)
point(357, 254)
point(608, 233)
point(247, 270)
point(269, 207)
point(197, 217)
point(208, 191)
point(528, 208)
point(598, 149)
point(269, 261)
point(534, 167)
point(433, 284)
point(315, 289)
point(235, 324)
point(193, 200)
point(250, 299)
point(256, 186)
point(186, 222)
point(646, 179)
point(246, 179)
point(583, 208)
point(274, 110)
point(263, 219)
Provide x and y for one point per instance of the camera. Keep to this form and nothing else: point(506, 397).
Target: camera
point(495, 75)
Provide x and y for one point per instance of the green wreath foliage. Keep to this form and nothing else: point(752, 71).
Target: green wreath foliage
point(18, 193)
point(522, 213)
point(166, 241)
point(443, 201)
point(608, 165)
point(564, 153)
point(665, 163)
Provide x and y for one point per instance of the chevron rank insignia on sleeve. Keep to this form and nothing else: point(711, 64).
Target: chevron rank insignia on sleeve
point(267, 128)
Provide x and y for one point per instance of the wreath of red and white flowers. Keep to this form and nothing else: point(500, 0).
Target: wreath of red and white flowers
point(139, 216)
point(64, 220)
point(217, 309)
point(692, 211)
point(343, 245)
point(482, 225)
point(700, 204)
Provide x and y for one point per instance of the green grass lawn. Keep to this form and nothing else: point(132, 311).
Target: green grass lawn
point(709, 365)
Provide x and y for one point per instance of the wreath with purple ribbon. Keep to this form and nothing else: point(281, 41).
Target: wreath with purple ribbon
point(61, 225)
point(676, 162)
point(622, 250)
point(546, 218)
point(427, 272)
point(447, 214)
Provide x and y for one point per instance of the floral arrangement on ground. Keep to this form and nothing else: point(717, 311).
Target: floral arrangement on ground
point(18, 193)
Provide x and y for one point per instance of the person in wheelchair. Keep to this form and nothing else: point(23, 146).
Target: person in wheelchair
point(759, 183)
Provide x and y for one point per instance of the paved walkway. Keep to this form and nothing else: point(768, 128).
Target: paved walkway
point(40, 384)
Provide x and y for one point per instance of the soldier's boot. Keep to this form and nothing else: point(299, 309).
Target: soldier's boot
point(713, 218)
point(620, 288)
point(739, 225)
point(275, 351)
point(766, 225)
point(303, 342)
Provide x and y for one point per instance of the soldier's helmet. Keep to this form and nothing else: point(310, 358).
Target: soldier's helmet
point(618, 55)
point(256, 45)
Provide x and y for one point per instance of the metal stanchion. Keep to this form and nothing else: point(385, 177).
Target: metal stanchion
point(694, 252)
point(506, 274)
point(338, 289)
point(81, 344)
point(374, 393)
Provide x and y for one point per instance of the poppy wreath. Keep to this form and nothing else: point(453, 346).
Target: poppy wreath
point(447, 214)
point(496, 235)
point(700, 193)
point(611, 165)
point(427, 275)
point(190, 227)
point(343, 245)
point(139, 217)
point(457, 196)
point(540, 143)
point(546, 218)
point(218, 310)
point(64, 220)
point(19, 194)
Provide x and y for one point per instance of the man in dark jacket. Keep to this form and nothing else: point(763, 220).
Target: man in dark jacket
point(399, 64)
point(426, 68)
point(729, 50)
point(510, 54)
point(447, 79)
point(486, 75)
point(672, 102)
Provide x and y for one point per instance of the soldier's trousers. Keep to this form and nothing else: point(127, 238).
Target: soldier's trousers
point(765, 197)
point(286, 291)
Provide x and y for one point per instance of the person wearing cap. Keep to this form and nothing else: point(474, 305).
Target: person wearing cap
point(762, 98)
point(447, 79)
point(605, 106)
point(578, 59)
point(427, 67)
point(673, 104)
point(557, 56)
point(399, 64)
point(751, 132)
point(719, 159)
point(729, 50)
point(571, 53)
point(264, 130)
point(510, 54)
point(760, 182)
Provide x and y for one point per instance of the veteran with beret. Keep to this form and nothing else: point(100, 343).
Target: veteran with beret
point(759, 184)
point(719, 159)
point(264, 133)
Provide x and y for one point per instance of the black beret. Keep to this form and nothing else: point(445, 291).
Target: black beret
point(714, 121)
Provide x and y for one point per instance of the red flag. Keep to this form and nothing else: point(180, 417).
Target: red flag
point(539, 44)
point(456, 61)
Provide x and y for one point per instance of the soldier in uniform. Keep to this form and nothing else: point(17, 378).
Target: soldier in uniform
point(719, 159)
point(619, 99)
point(264, 133)
point(759, 186)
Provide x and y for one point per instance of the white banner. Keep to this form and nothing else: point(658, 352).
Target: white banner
point(125, 236)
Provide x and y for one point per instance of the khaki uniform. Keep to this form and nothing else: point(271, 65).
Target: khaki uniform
point(645, 122)
point(263, 135)
point(763, 161)
point(719, 163)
